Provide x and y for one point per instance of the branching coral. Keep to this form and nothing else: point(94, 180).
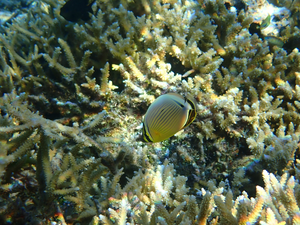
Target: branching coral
point(139, 204)
point(34, 140)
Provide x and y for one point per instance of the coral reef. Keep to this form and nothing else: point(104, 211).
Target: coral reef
point(73, 93)
point(143, 198)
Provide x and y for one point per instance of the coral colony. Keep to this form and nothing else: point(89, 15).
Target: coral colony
point(75, 87)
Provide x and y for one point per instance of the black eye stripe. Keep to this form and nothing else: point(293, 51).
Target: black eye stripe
point(192, 104)
point(192, 112)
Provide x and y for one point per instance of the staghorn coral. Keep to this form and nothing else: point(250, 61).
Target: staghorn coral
point(38, 142)
point(139, 204)
point(91, 82)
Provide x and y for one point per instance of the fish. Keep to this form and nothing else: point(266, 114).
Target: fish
point(75, 10)
point(274, 41)
point(266, 22)
point(167, 115)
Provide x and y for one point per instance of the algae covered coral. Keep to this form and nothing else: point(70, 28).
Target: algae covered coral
point(74, 93)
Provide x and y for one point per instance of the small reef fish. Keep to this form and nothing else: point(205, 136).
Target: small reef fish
point(274, 41)
point(74, 10)
point(167, 115)
point(266, 22)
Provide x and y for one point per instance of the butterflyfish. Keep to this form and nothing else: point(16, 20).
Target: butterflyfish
point(167, 115)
